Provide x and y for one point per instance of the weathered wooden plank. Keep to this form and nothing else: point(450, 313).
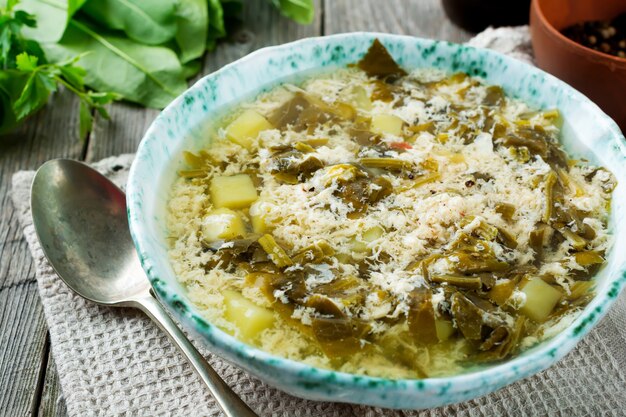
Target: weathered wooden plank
point(424, 18)
point(365, 15)
point(122, 133)
point(52, 133)
point(52, 403)
point(263, 26)
point(22, 342)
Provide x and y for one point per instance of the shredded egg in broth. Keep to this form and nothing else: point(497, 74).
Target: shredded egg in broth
point(393, 224)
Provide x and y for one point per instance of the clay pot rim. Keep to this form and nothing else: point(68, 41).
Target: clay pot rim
point(577, 47)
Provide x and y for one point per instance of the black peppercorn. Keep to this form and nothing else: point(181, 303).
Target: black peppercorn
point(604, 36)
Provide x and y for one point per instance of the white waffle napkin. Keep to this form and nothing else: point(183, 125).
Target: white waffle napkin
point(116, 362)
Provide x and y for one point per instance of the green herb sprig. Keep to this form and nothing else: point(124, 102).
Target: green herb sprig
point(27, 79)
point(141, 51)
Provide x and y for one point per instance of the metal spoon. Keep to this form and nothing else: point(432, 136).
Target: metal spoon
point(80, 219)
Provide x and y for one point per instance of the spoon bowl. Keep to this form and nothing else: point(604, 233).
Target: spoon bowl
point(81, 222)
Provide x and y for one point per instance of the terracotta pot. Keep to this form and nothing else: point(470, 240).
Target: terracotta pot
point(600, 76)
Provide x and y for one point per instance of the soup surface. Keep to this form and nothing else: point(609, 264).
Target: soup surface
point(388, 223)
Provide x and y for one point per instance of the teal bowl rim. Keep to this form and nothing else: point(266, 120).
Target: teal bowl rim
point(495, 376)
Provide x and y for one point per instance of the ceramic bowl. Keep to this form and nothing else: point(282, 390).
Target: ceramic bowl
point(587, 132)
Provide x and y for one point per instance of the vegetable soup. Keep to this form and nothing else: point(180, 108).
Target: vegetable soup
point(389, 223)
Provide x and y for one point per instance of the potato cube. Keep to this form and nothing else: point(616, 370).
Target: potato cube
point(541, 298)
point(360, 99)
point(258, 224)
point(368, 236)
point(222, 223)
point(387, 123)
point(245, 128)
point(258, 217)
point(249, 319)
point(235, 192)
point(444, 329)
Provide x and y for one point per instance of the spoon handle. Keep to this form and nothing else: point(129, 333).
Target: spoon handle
point(229, 402)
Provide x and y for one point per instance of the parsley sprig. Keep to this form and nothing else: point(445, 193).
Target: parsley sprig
point(27, 79)
point(142, 51)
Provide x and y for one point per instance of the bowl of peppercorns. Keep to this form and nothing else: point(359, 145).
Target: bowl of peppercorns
point(583, 42)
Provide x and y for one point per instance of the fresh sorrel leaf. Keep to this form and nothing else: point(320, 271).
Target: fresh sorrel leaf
point(301, 11)
point(148, 75)
point(52, 17)
point(151, 22)
point(192, 19)
point(217, 30)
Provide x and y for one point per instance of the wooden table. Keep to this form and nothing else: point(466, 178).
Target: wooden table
point(28, 380)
